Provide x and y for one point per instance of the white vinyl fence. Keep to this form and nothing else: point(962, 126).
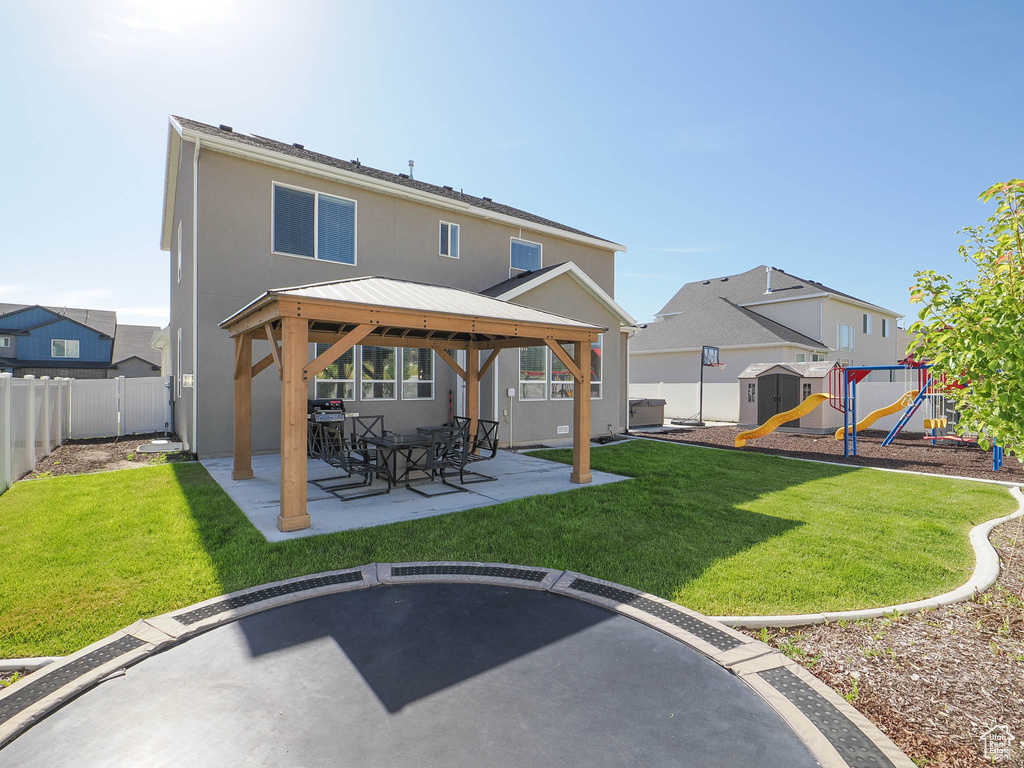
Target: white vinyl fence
point(37, 415)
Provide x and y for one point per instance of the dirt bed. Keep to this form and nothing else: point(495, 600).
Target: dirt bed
point(907, 452)
point(934, 681)
point(78, 457)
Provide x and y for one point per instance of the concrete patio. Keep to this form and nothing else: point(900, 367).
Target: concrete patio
point(518, 476)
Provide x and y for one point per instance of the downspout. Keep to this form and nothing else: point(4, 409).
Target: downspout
point(195, 300)
point(821, 321)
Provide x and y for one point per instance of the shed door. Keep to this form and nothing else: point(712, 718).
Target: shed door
point(776, 393)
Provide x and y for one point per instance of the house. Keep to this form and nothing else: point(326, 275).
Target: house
point(56, 341)
point(763, 315)
point(244, 214)
point(134, 354)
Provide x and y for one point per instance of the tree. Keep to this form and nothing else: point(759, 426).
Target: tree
point(972, 331)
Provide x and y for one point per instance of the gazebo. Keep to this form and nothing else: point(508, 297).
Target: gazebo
point(387, 312)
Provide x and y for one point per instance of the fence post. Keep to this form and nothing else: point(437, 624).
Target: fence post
point(60, 411)
point(44, 425)
point(7, 438)
point(30, 420)
point(120, 406)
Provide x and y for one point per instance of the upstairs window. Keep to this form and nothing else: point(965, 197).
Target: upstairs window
point(885, 328)
point(801, 357)
point(818, 357)
point(314, 225)
point(179, 251)
point(867, 324)
point(5, 341)
point(64, 348)
point(449, 245)
point(524, 256)
point(337, 380)
point(844, 337)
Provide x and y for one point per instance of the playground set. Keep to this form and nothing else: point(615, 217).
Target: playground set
point(842, 396)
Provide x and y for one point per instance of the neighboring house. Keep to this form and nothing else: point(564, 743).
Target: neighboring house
point(55, 341)
point(72, 342)
point(134, 354)
point(244, 214)
point(763, 315)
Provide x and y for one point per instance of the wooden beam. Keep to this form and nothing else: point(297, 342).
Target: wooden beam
point(262, 365)
point(473, 388)
point(581, 416)
point(562, 355)
point(336, 350)
point(293, 515)
point(242, 467)
point(274, 351)
point(253, 321)
point(443, 354)
point(489, 362)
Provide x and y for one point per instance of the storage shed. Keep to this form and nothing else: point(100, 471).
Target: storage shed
point(767, 389)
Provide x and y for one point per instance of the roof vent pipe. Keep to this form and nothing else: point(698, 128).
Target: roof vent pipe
point(768, 271)
point(411, 164)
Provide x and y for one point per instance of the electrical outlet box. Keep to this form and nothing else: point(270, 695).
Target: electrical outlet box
point(511, 392)
point(563, 430)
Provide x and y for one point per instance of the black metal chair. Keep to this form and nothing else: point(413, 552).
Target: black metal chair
point(356, 461)
point(429, 460)
point(468, 451)
point(321, 444)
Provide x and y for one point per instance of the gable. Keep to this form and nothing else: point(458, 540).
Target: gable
point(565, 296)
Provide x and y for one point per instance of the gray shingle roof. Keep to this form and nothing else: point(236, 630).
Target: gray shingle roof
point(748, 287)
point(517, 280)
point(135, 341)
point(102, 320)
point(365, 170)
point(716, 322)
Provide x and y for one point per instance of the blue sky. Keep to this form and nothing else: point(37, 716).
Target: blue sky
point(844, 142)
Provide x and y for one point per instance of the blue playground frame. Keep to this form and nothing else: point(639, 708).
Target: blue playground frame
point(849, 403)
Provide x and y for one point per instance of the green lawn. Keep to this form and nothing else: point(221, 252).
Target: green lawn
point(718, 531)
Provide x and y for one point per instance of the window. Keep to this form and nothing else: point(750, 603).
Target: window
point(751, 392)
point(801, 357)
point(177, 368)
point(5, 341)
point(417, 374)
point(561, 380)
point(525, 255)
point(806, 390)
point(885, 328)
point(818, 357)
point(449, 240)
point(378, 373)
point(844, 337)
point(533, 373)
point(867, 324)
point(179, 251)
point(596, 366)
point(64, 348)
point(337, 380)
point(314, 225)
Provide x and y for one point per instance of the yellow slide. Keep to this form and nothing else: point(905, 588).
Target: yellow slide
point(901, 404)
point(779, 419)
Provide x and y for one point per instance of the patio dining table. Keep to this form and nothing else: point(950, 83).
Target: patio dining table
point(390, 446)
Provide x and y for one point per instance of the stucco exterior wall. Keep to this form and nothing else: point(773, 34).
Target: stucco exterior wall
point(803, 315)
point(181, 314)
point(395, 238)
point(868, 349)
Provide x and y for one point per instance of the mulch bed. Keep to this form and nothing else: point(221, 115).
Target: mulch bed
point(934, 681)
point(78, 457)
point(907, 451)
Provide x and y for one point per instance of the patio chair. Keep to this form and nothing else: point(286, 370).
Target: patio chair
point(430, 459)
point(339, 452)
point(466, 452)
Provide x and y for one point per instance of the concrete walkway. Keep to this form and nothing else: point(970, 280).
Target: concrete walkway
point(518, 476)
point(421, 674)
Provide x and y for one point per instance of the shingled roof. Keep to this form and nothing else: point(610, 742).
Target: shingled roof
point(300, 152)
point(135, 341)
point(748, 287)
point(101, 320)
point(717, 322)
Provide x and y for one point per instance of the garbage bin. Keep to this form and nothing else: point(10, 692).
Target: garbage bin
point(647, 412)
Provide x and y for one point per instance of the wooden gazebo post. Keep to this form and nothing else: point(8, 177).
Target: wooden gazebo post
point(581, 415)
point(295, 355)
point(242, 469)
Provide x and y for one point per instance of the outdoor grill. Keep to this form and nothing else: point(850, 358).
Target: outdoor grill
point(325, 410)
